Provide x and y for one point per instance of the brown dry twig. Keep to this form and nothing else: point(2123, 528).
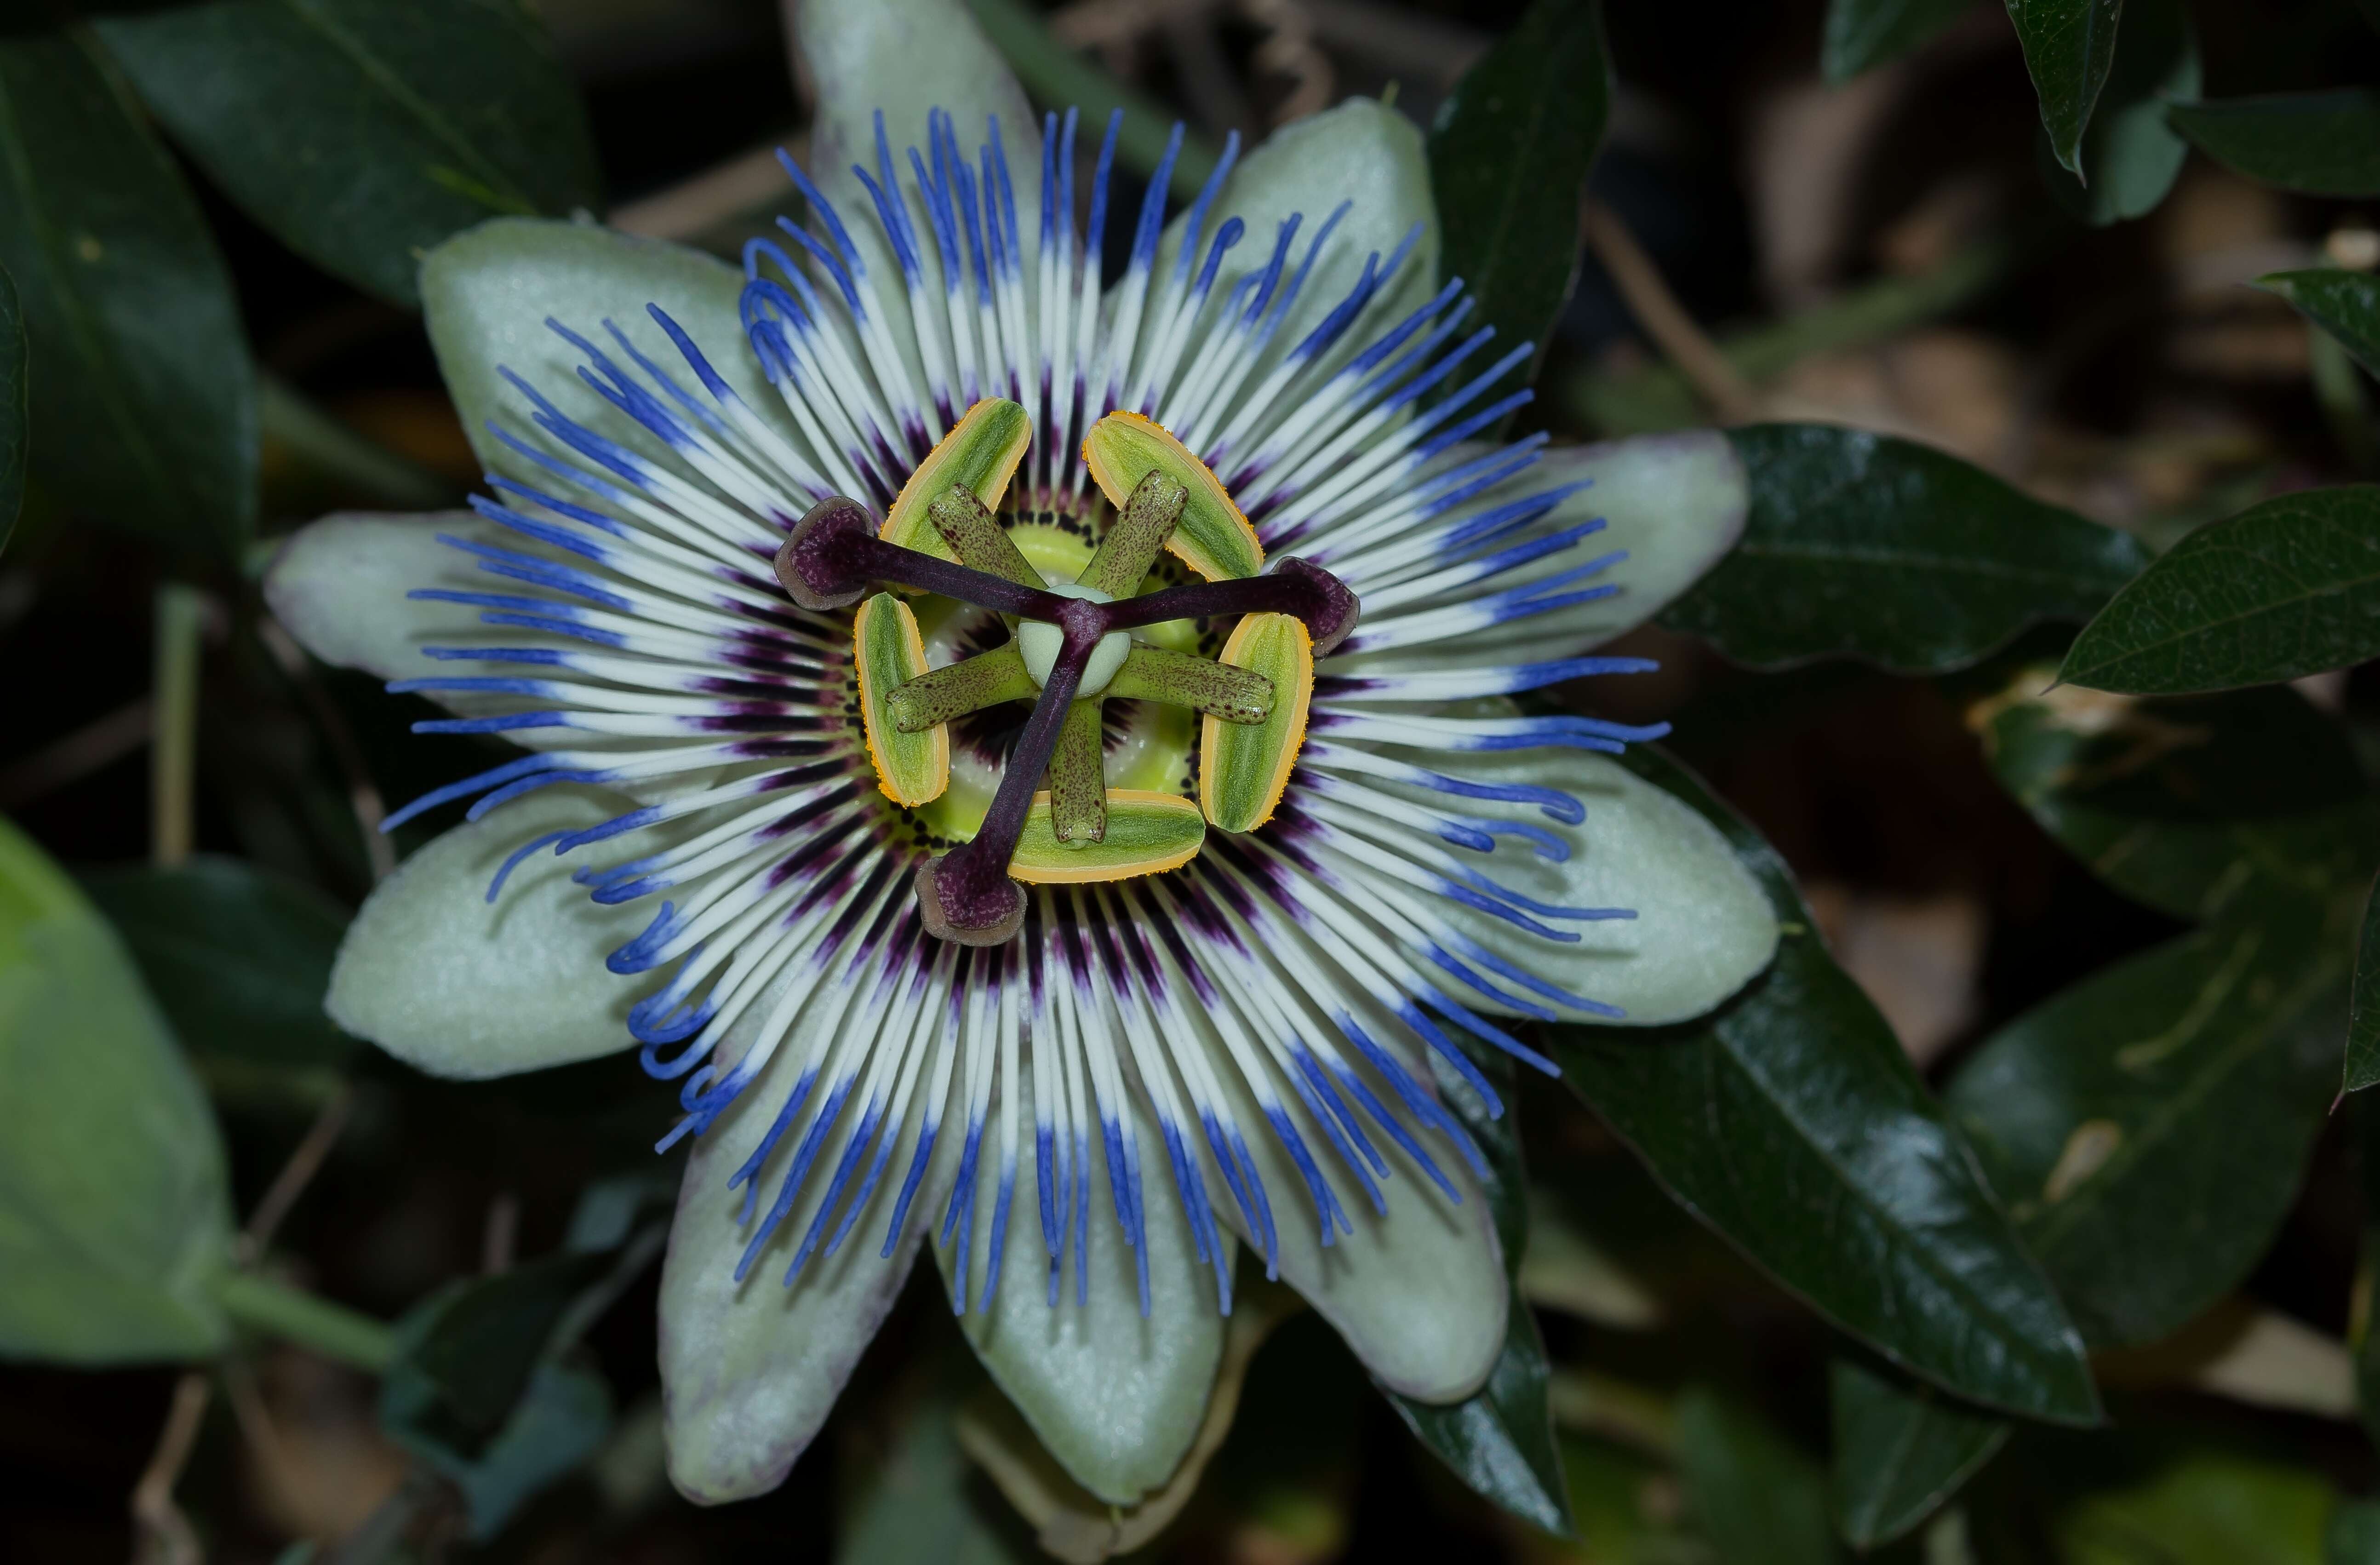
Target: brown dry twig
point(1657, 310)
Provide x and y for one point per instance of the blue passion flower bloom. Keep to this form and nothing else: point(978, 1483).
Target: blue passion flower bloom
point(1026, 752)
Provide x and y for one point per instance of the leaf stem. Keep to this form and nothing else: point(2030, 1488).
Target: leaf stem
point(173, 740)
point(295, 1316)
point(1061, 79)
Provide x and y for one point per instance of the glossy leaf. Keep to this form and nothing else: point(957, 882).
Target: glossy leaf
point(115, 1212)
point(2178, 1092)
point(2070, 47)
point(1508, 156)
point(239, 957)
point(2363, 1012)
point(2346, 304)
point(2131, 156)
point(148, 398)
point(2288, 587)
point(1500, 1439)
point(1862, 545)
point(362, 133)
point(2185, 803)
point(1863, 34)
point(13, 430)
point(2317, 143)
point(1900, 1450)
point(1749, 1491)
point(1790, 1120)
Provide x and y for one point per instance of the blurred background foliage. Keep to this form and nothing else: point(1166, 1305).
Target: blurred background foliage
point(2014, 309)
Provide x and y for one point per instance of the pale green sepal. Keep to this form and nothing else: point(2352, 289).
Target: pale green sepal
point(1362, 153)
point(486, 294)
point(749, 1371)
point(455, 986)
point(339, 586)
point(1117, 1398)
point(115, 1211)
point(907, 58)
point(1418, 1291)
point(1674, 503)
point(1703, 926)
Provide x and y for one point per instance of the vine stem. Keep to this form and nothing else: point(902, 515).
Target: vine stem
point(173, 740)
point(332, 1330)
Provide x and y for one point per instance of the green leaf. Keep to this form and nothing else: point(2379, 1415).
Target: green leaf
point(2346, 304)
point(2183, 804)
point(2189, 1504)
point(1862, 545)
point(2353, 1535)
point(1863, 34)
point(2131, 156)
point(238, 957)
point(2363, 1012)
point(115, 1216)
point(1790, 1123)
point(2174, 1094)
point(362, 133)
point(2288, 587)
point(2070, 47)
point(486, 1387)
point(922, 1503)
point(13, 431)
point(1500, 1440)
point(148, 400)
point(1902, 1448)
point(1758, 1499)
point(1508, 160)
point(2317, 143)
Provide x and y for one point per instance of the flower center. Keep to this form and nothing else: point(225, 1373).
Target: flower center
point(1072, 648)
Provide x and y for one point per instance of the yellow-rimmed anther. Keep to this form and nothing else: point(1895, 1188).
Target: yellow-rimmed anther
point(1243, 768)
point(1211, 537)
point(912, 769)
point(1146, 835)
point(980, 456)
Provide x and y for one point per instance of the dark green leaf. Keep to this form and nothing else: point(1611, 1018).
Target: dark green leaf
point(1508, 159)
point(2346, 304)
point(2070, 46)
point(148, 401)
point(2364, 1014)
point(923, 1503)
point(2288, 587)
point(2353, 1535)
point(12, 408)
point(2318, 143)
point(1756, 1498)
point(1501, 1441)
point(115, 1218)
point(1902, 1448)
point(362, 133)
point(485, 1386)
point(1863, 34)
point(2185, 803)
point(2131, 156)
point(1791, 1121)
point(2149, 1126)
point(1865, 546)
point(2363, 1114)
point(238, 957)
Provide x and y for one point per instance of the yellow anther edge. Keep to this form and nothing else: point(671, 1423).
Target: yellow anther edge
point(1243, 768)
point(1148, 833)
point(911, 769)
point(981, 453)
point(1212, 538)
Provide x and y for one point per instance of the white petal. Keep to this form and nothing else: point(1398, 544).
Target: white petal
point(1703, 925)
point(458, 987)
point(339, 587)
point(1116, 1398)
point(749, 1372)
point(487, 292)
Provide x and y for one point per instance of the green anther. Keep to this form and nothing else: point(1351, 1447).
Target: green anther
point(939, 695)
point(1179, 679)
point(1134, 539)
point(979, 456)
point(968, 526)
point(1078, 789)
